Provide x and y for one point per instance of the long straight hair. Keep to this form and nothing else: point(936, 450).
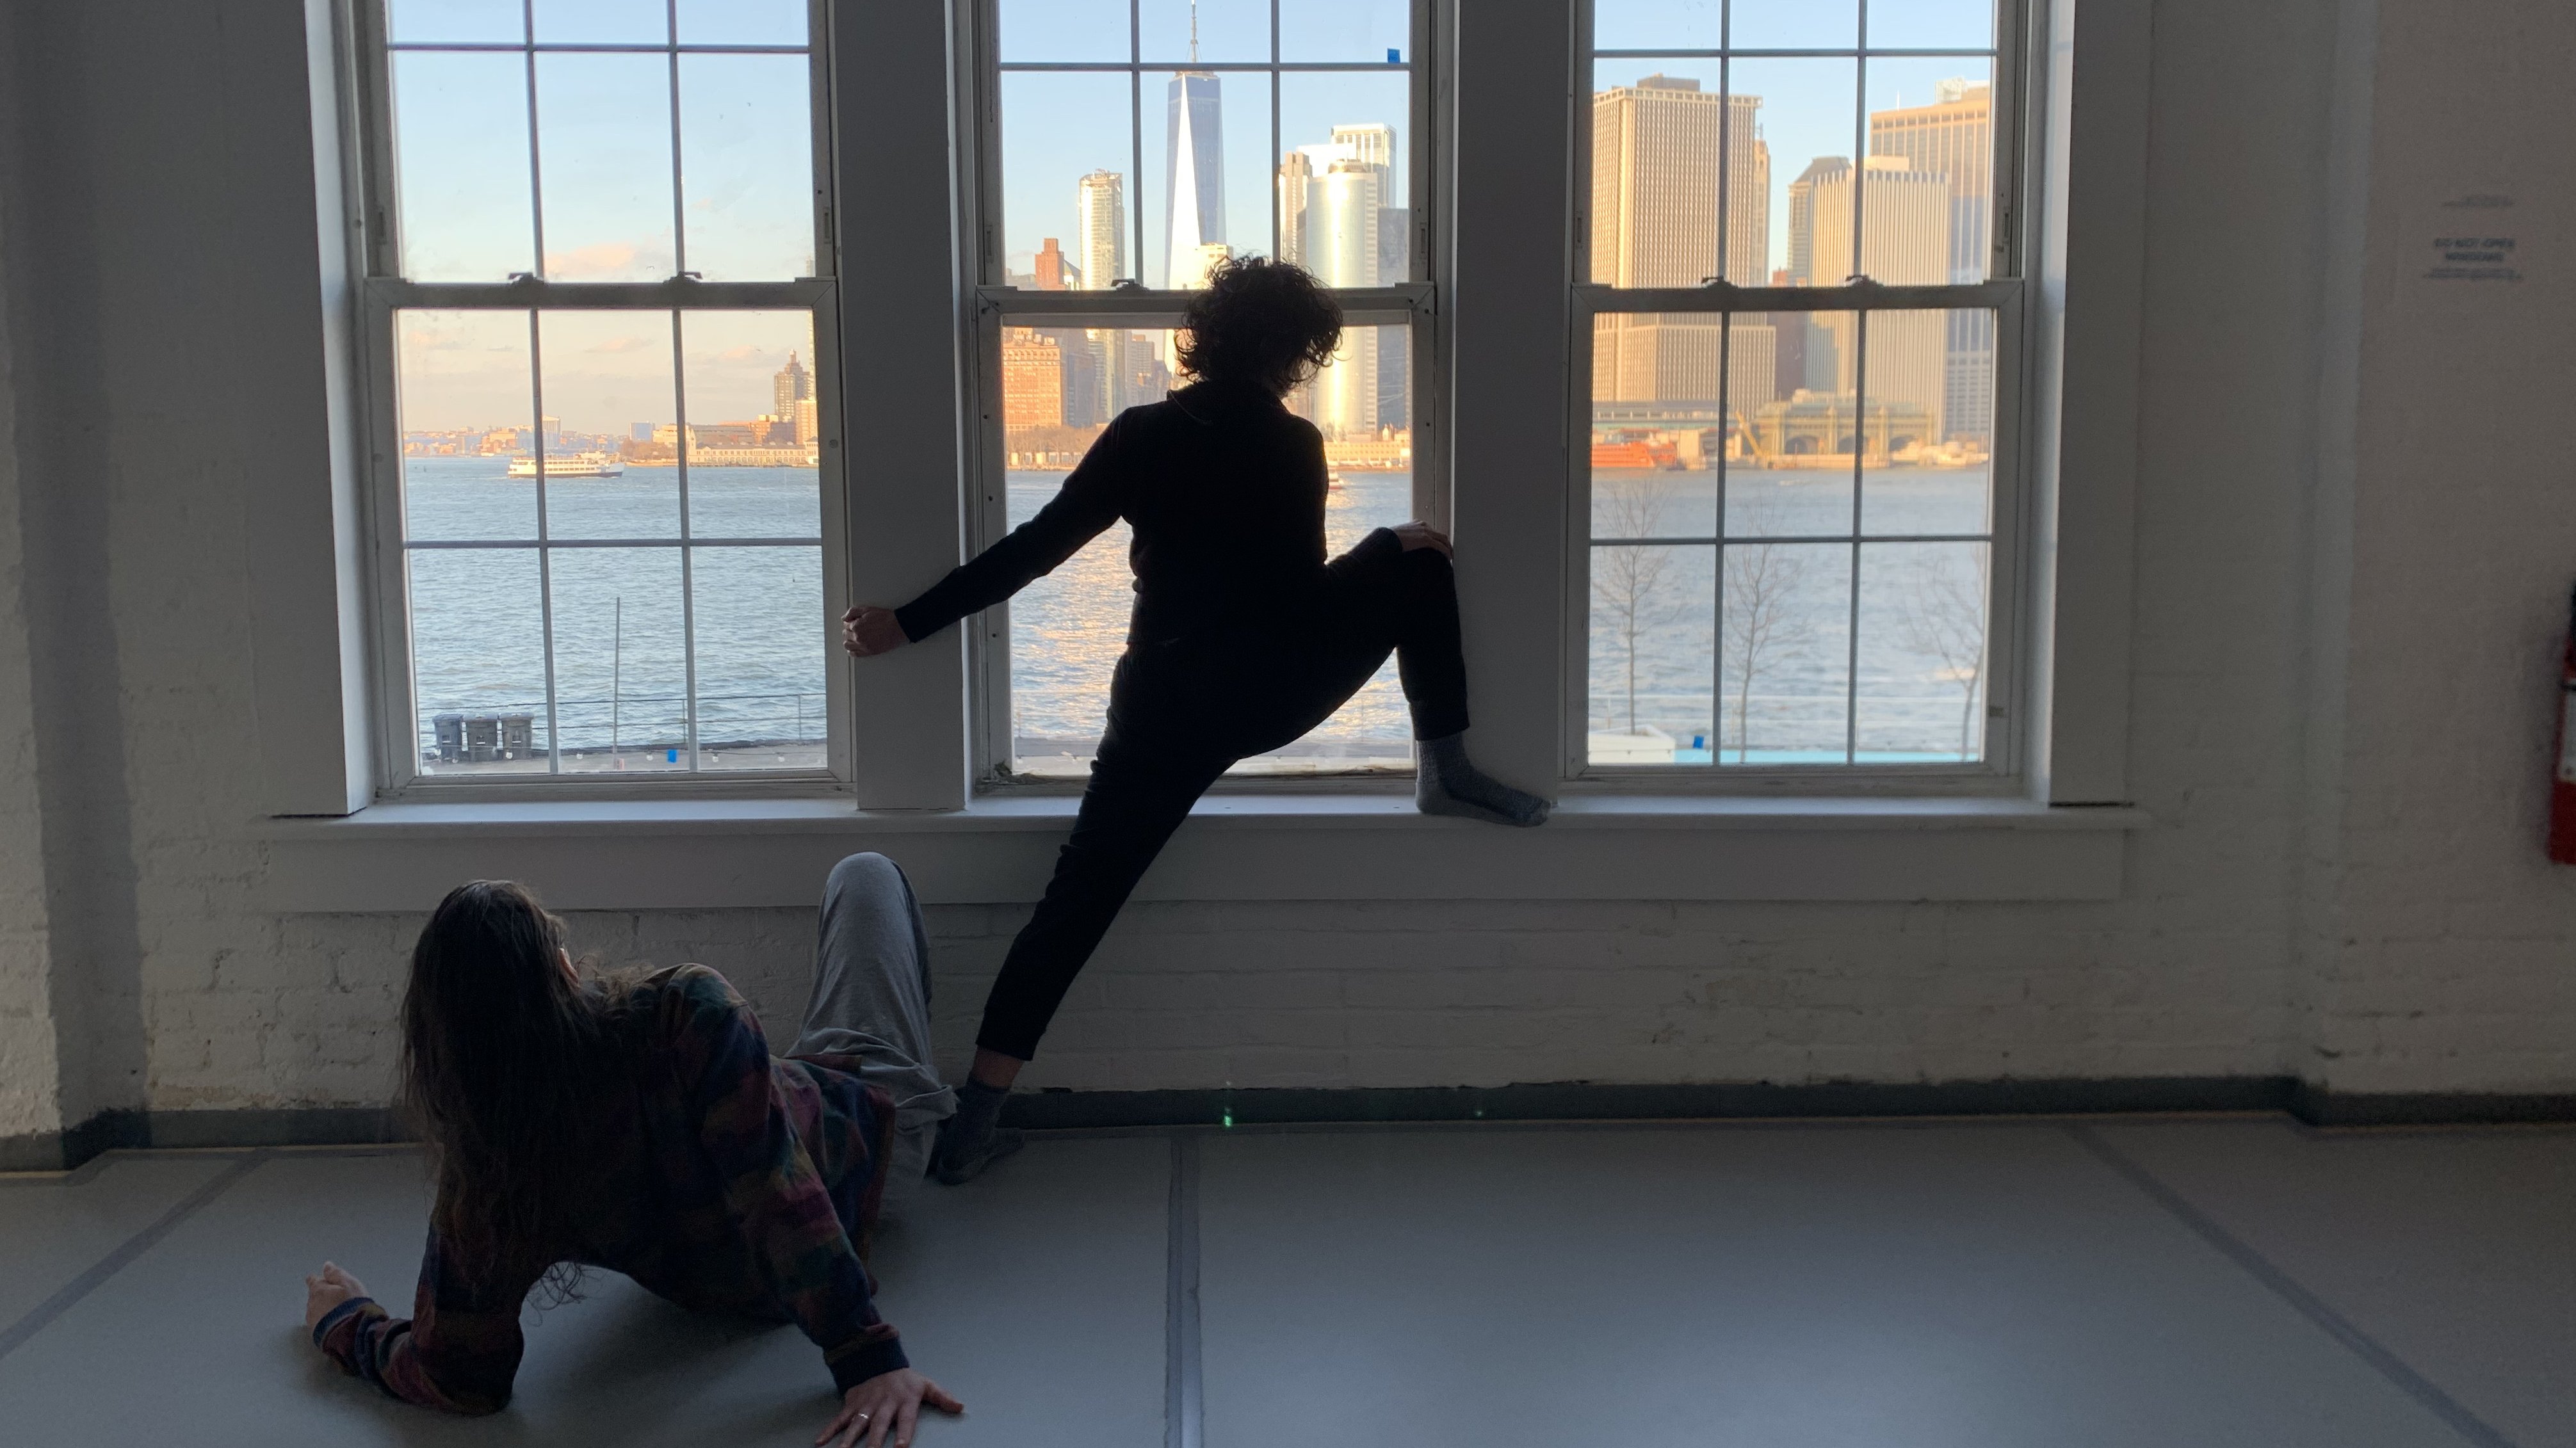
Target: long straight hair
point(506, 1062)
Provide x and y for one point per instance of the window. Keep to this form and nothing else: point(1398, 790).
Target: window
point(1798, 285)
point(600, 335)
point(1126, 146)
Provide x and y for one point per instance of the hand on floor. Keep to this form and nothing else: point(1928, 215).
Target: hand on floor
point(885, 1408)
point(328, 1290)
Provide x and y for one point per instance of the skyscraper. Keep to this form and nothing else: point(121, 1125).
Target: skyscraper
point(1342, 251)
point(1954, 138)
point(1196, 153)
point(1802, 222)
point(789, 386)
point(1032, 380)
point(1373, 145)
point(1296, 178)
point(1055, 271)
point(1904, 241)
point(1100, 226)
point(1656, 223)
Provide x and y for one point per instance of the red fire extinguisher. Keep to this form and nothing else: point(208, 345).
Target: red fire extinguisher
point(2562, 781)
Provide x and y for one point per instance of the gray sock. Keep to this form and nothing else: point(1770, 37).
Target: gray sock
point(1447, 784)
point(968, 1135)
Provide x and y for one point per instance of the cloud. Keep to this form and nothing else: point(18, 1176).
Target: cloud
point(622, 344)
point(436, 339)
point(606, 260)
point(744, 353)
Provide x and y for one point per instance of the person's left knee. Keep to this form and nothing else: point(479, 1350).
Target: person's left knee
point(867, 873)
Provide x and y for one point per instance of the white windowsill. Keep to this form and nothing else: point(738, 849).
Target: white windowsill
point(715, 853)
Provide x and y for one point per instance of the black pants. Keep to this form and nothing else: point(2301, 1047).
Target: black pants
point(1182, 712)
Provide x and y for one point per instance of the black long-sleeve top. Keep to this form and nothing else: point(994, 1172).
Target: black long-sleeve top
point(1224, 488)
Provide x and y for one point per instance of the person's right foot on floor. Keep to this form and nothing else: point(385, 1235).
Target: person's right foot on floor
point(1447, 784)
point(972, 1139)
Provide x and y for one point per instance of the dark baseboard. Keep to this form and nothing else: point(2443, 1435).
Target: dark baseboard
point(1551, 1101)
point(1595, 1101)
point(2323, 1106)
point(128, 1129)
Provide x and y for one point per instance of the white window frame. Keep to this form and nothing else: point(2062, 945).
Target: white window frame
point(2004, 768)
point(995, 304)
point(383, 293)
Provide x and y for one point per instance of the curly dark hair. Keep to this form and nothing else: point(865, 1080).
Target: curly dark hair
point(1262, 322)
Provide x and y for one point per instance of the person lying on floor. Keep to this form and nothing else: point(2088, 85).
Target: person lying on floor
point(637, 1121)
point(1244, 635)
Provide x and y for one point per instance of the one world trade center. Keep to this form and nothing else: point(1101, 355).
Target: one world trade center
point(1197, 188)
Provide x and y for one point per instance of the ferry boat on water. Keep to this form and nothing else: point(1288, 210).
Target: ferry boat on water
point(576, 465)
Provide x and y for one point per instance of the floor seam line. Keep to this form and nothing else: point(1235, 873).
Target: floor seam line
point(1183, 1406)
point(68, 1296)
point(2307, 1304)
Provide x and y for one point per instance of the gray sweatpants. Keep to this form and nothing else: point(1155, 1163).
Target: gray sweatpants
point(872, 1001)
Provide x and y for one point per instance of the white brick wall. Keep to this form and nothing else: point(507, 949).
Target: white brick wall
point(2432, 956)
point(29, 1067)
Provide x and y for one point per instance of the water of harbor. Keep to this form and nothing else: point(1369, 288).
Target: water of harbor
point(1668, 665)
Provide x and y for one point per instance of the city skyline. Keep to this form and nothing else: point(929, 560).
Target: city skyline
point(1662, 151)
point(605, 371)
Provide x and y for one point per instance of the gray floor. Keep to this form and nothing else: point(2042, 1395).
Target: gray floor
point(1998, 1285)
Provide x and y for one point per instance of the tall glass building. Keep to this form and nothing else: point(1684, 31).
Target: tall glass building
point(1197, 189)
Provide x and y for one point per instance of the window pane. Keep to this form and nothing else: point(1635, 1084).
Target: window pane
point(1794, 24)
point(598, 22)
point(607, 387)
point(1369, 30)
point(1805, 111)
point(1206, 136)
point(1660, 422)
point(478, 660)
point(1932, 376)
point(755, 424)
point(1654, 614)
point(1785, 626)
point(1931, 24)
point(604, 146)
point(1655, 139)
point(1922, 653)
point(1059, 384)
point(418, 22)
point(1361, 402)
point(1067, 629)
point(1067, 146)
point(1790, 465)
point(1065, 30)
point(1931, 119)
point(461, 387)
point(747, 166)
point(1345, 203)
point(621, 661)
point(763, 642)
point(1658, 24)
point(1177, 31)
point(461, 165)
point(742, 22)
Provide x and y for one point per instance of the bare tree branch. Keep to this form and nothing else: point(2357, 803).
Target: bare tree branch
point(1761, 578)
point(1946, 620)
point(1628, 581)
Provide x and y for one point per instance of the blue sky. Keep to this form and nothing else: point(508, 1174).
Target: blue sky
point(1058, 126)
point(604, 137)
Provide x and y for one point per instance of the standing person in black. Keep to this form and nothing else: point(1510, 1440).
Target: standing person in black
point(1243, 638)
